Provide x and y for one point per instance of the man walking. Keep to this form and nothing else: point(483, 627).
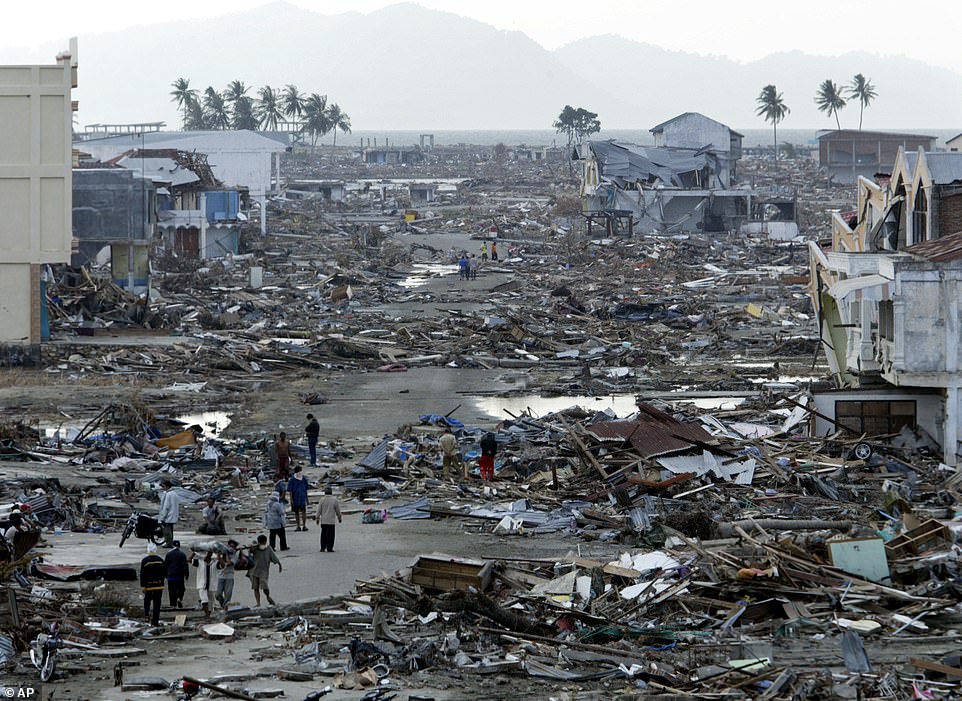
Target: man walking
point(169, 512)
point(327, 510)
point(449, 451)
point(263, 555)
point(473, 267)
point(489, 448)
point(313, 430)
point(226, 562)
point(175, 564)
point(274, 518)
point(152, 572)
point(282, 451)
point(297, 487)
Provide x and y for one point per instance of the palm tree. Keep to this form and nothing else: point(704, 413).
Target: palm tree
point(268, 107)
point(244, 117)
point(316, 122)
point(830, 100)
point(773, 109)
point(197, 118)
point(862, 90)
point(183, 95)
point(235, 90)
point(215, 109)
point(292, 102)
point(338, 120)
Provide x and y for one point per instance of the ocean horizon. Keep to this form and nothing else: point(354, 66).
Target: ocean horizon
point(548, 137)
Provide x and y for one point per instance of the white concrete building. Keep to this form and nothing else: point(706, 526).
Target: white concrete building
point(693, 130)
point(244, 159)
point(36, 114)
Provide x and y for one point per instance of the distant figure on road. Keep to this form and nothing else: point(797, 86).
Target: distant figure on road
point(297, 486)
point(489, 448)
point(282, 451)
point(463, 267)
point(152, 572)
point(274, 518)
point(312, 431)
point(327, 510)
point(213, 519)
point(263, 555)
point(169, 512)
point(177, 572)
point(494, 250)
point(449, 451)
point(484, 252)
point(473, 267)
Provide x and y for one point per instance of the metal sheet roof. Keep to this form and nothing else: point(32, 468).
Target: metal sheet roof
point(940, 250)
point(945, 167)
point(634, 163)
point(652, 432)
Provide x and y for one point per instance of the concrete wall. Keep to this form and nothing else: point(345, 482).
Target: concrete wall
point(694, 131)
point(35, 187)
point(108, 205)
point(949, 210)
point(928, 408)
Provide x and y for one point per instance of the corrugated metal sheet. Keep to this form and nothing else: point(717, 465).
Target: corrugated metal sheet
point(376, 458)
point(628, 163)
point(652, 432)
point(940, 250)
point(945, 168)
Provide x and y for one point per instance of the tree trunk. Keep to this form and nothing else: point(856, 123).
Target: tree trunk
point(775, 130)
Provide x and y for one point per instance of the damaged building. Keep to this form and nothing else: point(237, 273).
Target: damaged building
point(887, 293)
point(847, 154)
point(674, 186)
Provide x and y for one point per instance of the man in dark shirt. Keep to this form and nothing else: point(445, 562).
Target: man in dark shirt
point(177, 571)
point(313, 430)
point(152, 570)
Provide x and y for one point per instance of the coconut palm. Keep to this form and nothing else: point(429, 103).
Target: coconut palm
point(316, 122)
point(243, 113)
point(861, 89)
point(215, 109)
point(183, 95)
point(235, 90)
point(338, 120)
point(773, 109)
point(292, 102)
point(830, 100)
point(196, 117)
point(268, 107)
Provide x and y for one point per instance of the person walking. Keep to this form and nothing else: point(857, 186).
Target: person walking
point(213, 519)
point(484, 252)
point(262, 555)
point(297, 487)
point(226, 562)
point(206, 578)
point(169, 512)
point(473, 267)
point(274, 518)
point(494, 250)
point(282, 453)
point(327, 510)
point(463, 267)
point(449, 451)
point(177, 569)
point(152, 571)
point(313, 430)
point(489, 448)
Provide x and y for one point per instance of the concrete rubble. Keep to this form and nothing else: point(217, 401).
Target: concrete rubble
point(698, 542)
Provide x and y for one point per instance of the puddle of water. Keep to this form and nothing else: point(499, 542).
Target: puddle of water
point(621, 404)
point(213, 422)
point(422, 272)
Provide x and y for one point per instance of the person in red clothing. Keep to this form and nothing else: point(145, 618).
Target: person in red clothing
point(489, 448)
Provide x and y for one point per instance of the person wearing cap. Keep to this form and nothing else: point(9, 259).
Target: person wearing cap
point(152, 571)
point(312, 432)
point(177, 572)
point(169, 512)
point(225, 573)
point(327, 510)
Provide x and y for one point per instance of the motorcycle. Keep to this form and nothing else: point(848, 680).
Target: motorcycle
point(144, 527)
point(43, 652)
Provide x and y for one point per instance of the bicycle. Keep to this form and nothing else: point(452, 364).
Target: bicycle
point(144, 527)
point(43, 652)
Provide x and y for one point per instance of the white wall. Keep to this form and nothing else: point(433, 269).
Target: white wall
point(15, 295)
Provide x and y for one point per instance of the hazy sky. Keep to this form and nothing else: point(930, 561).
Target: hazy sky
point(741, 29)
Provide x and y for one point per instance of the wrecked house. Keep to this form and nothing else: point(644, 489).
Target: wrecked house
point(887, 296)
point(693, 130)
point(659, 189)
point(847, 154)
point(113, 208)
point(391, 156)
point(305, 189)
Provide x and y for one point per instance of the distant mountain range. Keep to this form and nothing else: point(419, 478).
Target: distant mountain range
point(407, 67)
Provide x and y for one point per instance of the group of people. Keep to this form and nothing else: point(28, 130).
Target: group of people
point(468, 265)
point(451, 454)
point(294, 490)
